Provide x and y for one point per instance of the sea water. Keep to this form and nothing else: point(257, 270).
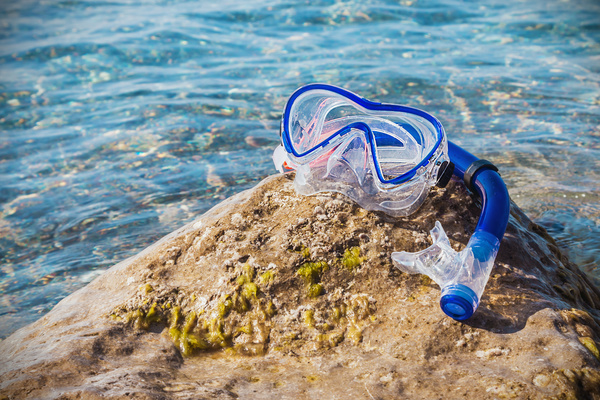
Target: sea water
point(122, 120)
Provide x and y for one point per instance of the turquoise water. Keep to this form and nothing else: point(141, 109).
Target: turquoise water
point(122, 120)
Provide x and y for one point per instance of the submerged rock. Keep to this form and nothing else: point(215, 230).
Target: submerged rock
point(274, 295)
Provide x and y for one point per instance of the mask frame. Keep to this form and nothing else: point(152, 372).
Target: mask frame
point(410, 140)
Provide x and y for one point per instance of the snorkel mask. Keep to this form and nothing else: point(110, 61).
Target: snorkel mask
point(386, 157)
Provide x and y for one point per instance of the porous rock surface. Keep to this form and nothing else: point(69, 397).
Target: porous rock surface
point(274, 295)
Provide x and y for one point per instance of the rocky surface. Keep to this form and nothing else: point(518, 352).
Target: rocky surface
point(273, 295)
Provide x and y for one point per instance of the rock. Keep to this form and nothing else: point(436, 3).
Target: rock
point(274, 295)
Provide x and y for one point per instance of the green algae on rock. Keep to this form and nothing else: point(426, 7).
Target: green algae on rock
point(311, 273)
point(351, 258)
point(230, 325)
point(262, 297)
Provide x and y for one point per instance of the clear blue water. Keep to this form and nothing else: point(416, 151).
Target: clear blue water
point(123, 120)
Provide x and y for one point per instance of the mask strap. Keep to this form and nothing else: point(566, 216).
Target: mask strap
point(281, 159)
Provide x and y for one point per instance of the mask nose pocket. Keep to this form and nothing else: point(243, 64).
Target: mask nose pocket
point(349, 162)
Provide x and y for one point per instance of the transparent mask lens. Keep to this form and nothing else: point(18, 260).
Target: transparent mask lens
point(315, 116)
point(401, 143)
point(323, 118)
point(349, 162)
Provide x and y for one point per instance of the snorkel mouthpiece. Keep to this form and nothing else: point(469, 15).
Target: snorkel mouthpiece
point(461, 275)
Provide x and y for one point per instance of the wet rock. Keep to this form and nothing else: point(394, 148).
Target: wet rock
point(273, 295)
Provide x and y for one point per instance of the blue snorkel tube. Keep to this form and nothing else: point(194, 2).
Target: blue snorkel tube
point(462, 276)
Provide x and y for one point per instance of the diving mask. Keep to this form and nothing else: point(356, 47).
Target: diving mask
point(385, 157)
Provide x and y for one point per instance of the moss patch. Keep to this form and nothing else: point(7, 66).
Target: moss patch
point(238, 323)
point(351, 258)
point(315, 290)
point(330, 327)
point(590, 344)
point(309, 318)
point(311, 273)
point(267, 278)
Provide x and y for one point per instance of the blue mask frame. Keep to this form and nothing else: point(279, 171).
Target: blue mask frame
point(370, 135)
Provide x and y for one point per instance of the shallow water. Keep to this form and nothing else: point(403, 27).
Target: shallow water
point(121, 121)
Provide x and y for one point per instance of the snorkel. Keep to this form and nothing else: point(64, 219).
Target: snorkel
point(462, 276)
point(386, 157)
